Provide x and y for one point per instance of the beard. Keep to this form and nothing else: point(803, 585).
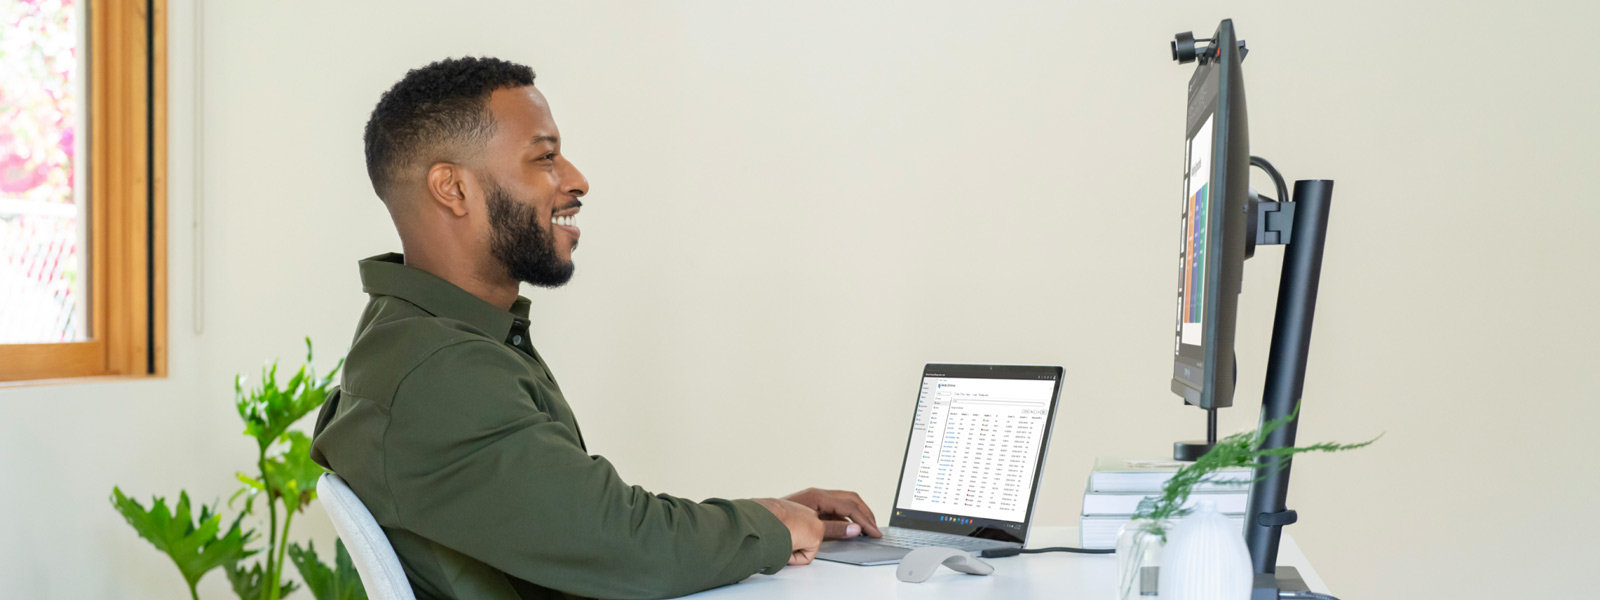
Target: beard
point(526, 250)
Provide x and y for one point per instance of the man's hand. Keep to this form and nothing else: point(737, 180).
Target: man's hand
point(805, 529)
point(842, 512)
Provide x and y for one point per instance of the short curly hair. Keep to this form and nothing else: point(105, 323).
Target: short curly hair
point(435, 113)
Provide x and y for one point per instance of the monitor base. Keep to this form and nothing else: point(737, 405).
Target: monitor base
point(1190, 451)
point(1267, 585)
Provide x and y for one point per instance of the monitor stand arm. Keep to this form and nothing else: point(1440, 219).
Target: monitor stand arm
point(1266, 514)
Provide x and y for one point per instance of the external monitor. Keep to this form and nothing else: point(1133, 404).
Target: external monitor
point(1222, 222)
point(1213, 225)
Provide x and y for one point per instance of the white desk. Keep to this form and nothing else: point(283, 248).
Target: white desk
point(1053, 575)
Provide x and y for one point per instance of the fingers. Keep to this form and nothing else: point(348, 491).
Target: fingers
point(839, 505)
point(803, 557)
point(870, 522)
point(840, 529)
point(807, 537)
point(849, 504)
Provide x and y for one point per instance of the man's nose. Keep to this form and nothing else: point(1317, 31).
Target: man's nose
point(577, 184)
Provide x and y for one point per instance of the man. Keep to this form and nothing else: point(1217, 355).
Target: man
point(449, 426)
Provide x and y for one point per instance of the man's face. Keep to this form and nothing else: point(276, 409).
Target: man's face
point(532, 190)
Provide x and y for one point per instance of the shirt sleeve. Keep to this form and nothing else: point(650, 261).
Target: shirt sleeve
point(477, 466)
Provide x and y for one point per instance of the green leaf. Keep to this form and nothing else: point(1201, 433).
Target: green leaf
point(1237, 450)
point(269, 410)
point(292, 476)
point(249, 583)
point(252, 488)
point(341, 582)
point(194, 545)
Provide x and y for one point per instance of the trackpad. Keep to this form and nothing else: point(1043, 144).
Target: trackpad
point(859, 552)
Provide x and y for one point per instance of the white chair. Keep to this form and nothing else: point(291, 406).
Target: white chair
point(369, 548)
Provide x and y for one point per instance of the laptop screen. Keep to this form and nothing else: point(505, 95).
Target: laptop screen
point(977, 445)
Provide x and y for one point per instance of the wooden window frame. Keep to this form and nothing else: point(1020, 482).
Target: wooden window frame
point(127, 142)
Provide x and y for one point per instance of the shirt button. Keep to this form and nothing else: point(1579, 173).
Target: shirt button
point(516, 339)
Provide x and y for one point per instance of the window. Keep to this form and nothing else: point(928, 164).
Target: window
point(82, 188)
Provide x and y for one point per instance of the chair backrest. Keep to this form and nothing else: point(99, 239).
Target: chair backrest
point(375, 560)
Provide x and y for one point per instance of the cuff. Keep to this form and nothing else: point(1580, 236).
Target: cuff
point(775, 545)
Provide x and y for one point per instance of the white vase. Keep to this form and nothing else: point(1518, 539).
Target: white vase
point(1205, 559)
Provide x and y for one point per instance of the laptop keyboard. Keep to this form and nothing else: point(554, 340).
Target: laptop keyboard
point(901, 537)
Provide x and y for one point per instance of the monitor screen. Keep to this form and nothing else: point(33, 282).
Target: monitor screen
point(1192, 247)
point(977, 443)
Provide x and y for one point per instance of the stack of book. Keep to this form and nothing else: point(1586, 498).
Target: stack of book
point(1116, 486)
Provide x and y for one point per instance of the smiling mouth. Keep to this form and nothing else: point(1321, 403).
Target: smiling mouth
point(567, 221)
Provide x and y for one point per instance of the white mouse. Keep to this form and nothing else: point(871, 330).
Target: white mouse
point(920, 564)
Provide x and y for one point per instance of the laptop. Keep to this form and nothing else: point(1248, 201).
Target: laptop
point(970, 478)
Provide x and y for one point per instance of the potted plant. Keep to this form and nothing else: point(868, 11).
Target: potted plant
point(285, 476)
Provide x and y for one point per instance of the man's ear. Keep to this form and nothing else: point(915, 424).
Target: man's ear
point(447, 187)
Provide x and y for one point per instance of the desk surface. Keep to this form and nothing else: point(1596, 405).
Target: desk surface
point(1054, 575)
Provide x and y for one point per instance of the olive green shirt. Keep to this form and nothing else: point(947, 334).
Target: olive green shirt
point(455, 436)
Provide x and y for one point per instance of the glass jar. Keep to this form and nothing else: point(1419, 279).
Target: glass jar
point(1139, 545)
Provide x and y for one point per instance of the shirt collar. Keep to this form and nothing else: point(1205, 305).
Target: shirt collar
point(388, 275)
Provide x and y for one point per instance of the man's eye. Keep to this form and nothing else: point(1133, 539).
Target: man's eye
point(550, 156)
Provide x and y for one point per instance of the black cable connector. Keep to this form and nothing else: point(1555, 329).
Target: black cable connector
point(1004, 552)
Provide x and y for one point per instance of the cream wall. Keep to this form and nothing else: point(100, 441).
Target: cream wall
point(794, 208)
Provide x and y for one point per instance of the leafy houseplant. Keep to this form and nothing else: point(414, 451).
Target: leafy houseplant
point(286, 476)
point(1140, 542)
point(1237, 450)
point(194, 546)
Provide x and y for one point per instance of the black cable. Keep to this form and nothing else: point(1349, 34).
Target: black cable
point(1304, 596)
point(1277, 178)
point(1004, 552)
